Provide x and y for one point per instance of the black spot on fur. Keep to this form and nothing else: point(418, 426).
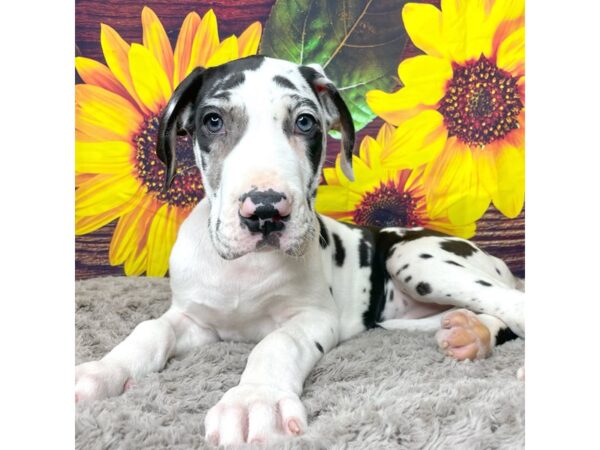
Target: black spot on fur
point(454, 263)
point(411, 235)
point(222, 96)
point(483, 283)
point(319, 347)
point(330, 290)
point(425, 255)
point(314, 146)
point(423, 288)
point(323, 235)
point(459, 248)
point(364, 251)
point(448, 295)
point(408, 278)
point(303, 101)
point(233, 81)
point(284, 82)
point(340, 252)
point(405, 266)
point(391, 296)
point(498, 271)
point(381, 244)
point(505, 335)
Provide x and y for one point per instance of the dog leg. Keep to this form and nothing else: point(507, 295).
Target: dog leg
point(429, 324)
point(457, 286)
point(266, 404)
point(145, 350)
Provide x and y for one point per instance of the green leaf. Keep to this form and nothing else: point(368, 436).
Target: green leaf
point(359, 43)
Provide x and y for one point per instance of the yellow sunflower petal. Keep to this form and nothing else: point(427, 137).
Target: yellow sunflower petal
point(161, 238)
point(336, 199)
point(249, 40)
point(452, 184)
point(206, 42)
point(104, 114)
point(506, 17)
point(370, 153)
point(423, 23)
point(330, 176)
point(396, 107)
point(116, 54)
point(131, 231)
point(183, 48)
point(155, 39)
point(511, 53)
point(135, 264)
point(470, 208)
point(103, 157)
point(149, 79)
point(384, 135)
point(416, 141)
point(455, 32)
point(465, 231)
point(478, 36)
point(365, 178)
point(227, 51)
point(93, 72)
point(88, 224)
point(428, 75)
point(104, 192)
point(510, 195)
point(485, 166)
point(81, 178)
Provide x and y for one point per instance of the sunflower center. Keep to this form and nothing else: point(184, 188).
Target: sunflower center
point(481, 104)
point(387, 206)
point(186, 188)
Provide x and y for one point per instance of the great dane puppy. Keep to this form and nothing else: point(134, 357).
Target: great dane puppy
point(255, 262)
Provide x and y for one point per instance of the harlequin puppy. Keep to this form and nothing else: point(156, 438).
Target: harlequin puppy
point(254, 261)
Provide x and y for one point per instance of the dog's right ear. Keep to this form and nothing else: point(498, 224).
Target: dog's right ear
point(177, 116)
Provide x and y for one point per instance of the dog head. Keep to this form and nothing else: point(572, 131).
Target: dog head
point(259, 127)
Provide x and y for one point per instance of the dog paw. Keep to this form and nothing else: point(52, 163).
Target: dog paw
point(464, 336)
point(96, 380)
point(255, 414)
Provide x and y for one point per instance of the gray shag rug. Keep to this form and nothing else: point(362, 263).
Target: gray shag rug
point(379, 390)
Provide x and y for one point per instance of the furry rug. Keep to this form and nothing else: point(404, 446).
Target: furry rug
point(379, 390)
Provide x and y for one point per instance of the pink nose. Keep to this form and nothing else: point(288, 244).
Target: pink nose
point(265, 211)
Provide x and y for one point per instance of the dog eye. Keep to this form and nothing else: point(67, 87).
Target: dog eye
point(213, 122)
point(305, 123)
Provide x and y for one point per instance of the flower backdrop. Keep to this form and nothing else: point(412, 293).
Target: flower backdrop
point(436, 90)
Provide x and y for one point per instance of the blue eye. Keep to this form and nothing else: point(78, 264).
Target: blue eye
point(305, 123)
point(213, 122)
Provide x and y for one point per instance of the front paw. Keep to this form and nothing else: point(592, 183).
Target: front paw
point(254, 414)
point(96, 380)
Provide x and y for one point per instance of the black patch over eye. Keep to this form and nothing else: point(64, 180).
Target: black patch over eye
point(305, 123)
point(213, 122)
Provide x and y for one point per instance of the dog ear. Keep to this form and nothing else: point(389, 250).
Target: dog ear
point(338, 114)
point(176, 117)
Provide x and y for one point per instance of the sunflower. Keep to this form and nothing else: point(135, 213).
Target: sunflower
point(379, 196)
point(465, 93)
point(118, 175)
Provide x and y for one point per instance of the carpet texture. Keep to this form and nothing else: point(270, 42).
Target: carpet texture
point(380, 390)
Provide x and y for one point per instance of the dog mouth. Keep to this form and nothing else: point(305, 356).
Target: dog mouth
point(270, 241)
point(233, 242)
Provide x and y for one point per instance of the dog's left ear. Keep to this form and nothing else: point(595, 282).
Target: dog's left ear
point(338, 114)
point(176, 117)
